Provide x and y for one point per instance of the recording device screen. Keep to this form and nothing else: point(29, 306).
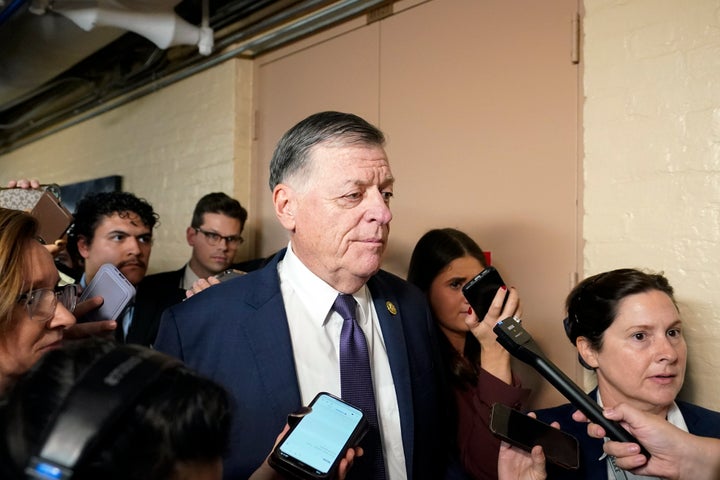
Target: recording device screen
point(525, 432)
point(321, 437)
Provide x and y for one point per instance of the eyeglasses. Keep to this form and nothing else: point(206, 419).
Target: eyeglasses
point(213, 238)
point(41, 303)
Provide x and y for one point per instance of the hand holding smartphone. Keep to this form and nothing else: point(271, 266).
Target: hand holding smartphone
point(525, 432)
point(116, 290)
point(313, 447)
point(481, 290)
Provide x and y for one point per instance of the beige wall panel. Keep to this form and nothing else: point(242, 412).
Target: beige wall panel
point(341, 74)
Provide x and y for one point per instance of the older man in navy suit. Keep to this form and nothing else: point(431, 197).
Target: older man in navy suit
point(273, 337)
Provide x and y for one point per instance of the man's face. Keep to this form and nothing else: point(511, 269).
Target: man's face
point(125, 241)
point(340, 218)
point(211, 255)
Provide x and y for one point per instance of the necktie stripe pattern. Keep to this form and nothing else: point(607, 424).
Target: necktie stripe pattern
point(356, 387)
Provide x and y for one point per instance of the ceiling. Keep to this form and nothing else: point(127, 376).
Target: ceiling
point(54, 73)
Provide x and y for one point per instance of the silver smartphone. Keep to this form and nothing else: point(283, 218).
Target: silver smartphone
point(116, 290)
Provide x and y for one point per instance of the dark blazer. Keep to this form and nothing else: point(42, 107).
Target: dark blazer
point(237, 334)
point(700, 421)
point(153, 295)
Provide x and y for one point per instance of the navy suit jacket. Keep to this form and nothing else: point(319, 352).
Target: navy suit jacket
point(237, 334)
point(700, 421)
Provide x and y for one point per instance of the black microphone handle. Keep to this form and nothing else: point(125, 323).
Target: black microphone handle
point(584, 403)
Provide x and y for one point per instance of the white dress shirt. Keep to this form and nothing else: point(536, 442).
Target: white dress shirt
point(315, 333)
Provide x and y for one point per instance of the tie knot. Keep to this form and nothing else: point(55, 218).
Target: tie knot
point(345, 305)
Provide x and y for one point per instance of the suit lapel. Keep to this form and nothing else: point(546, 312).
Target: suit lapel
point(391, 325)
point(269, 340)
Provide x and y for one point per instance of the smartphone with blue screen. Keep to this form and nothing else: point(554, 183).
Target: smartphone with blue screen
point(313, 448)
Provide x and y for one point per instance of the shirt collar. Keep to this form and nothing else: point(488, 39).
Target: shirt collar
point(315, 294)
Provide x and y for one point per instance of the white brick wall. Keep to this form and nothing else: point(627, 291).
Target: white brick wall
point(148, 142)
point(652, 158)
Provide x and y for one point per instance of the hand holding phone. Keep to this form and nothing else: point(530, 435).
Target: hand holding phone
point(116, 290)
point(481, 290)
point(313, 448)
point(525, 432)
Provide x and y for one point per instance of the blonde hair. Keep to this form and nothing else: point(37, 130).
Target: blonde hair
point(16, 230)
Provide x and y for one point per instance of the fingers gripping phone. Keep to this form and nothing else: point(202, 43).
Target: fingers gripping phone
point(116, 291)
point(525, 432)
point(229, 273)
point(313, 448)
point(481, 290)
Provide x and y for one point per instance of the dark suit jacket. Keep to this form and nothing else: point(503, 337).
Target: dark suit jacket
point(237, 334)
point(154, 294)
point(700, 421)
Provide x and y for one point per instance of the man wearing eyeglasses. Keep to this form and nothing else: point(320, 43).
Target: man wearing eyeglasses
point(215, 233)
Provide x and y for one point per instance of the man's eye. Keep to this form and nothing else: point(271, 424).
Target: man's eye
point(145, 239)
point(117, 237)
point(214, 237)
point(387, 195)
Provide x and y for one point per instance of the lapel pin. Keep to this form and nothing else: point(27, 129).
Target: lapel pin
point(391, 307)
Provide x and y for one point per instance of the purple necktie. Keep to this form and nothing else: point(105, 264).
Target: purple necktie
point(356, 387)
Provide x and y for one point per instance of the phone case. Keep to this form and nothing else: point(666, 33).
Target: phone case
point(116, 290)
point(53, 218)
point(295, 467)
point(481, 290)
point(525, 432)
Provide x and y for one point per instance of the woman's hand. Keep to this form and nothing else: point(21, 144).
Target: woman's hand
point(493, 357)
point(517, 464)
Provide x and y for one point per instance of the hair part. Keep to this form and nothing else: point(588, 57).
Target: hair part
point(292, 154)
point(218, 202)
point(593, 304)
point(17, 229)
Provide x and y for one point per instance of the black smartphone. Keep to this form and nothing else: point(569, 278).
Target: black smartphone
point(116, 290)
point(313, 448)
point(481, 290)
point(228, 274)
point(525, 432)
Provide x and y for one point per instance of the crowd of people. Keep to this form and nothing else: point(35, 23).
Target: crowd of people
point(212, 398)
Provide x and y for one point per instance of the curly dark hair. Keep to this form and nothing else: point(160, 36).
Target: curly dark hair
point(92, 208)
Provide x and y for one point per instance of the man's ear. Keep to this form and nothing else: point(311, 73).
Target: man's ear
point(285, 202)
point(83, 246)
point(587, 352)
point(191, 236)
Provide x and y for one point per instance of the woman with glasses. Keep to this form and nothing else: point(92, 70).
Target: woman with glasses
point(34, 313)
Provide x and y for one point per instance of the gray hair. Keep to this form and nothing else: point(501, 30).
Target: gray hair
point(292, 152)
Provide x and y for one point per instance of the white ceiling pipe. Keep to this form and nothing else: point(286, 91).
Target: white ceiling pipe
point(164, 29)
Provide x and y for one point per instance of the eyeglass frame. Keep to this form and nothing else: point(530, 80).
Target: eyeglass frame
point(213, 238)
point(69, 294)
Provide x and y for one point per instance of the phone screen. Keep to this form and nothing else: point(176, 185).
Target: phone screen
point(321, 436)
point(525, 432)
point(481, 290)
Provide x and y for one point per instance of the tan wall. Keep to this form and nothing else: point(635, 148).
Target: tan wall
point(170, 147)
point(652, 164)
